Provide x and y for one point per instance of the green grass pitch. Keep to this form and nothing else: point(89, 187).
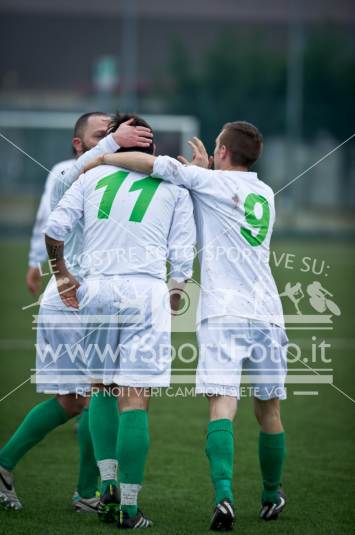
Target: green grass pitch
point(320, 466)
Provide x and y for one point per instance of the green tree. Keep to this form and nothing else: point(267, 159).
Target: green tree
point(243, 78)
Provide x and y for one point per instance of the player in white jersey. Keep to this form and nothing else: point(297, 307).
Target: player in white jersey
point(133, 225)
point(240, 324)
point(38, 253)
point(44, 417)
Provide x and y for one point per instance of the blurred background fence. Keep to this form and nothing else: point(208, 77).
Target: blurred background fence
point(189, 67)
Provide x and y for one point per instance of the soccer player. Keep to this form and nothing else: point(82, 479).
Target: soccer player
point(38, 254)
point(241, 321)
point(134, 223)
point(46, 416)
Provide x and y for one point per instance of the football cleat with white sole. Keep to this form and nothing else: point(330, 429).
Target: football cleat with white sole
point(85, 505)
point(109, 505)
point(271, 511)
point(136, 522)
point(223, 517)
point(8, 496)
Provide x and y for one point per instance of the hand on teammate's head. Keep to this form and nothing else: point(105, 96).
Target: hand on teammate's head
point(128, 135)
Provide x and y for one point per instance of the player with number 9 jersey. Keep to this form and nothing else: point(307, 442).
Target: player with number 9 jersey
point(235, 214)
point(240, 308)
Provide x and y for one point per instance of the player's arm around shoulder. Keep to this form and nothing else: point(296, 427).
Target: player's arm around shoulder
point(192, 175)
point(63, 180)
point(134, 161)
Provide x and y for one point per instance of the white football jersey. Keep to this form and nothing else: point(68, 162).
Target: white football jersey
point(132, 224)
point(234, 214)
point(61, 182)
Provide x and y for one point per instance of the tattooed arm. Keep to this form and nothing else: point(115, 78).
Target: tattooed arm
point(66, 283)
point(60, 224)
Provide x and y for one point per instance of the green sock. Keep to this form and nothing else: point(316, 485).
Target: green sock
point(272, 451)
point(88, 471)
point(132, 451)
point(103, 425)
point(220, 453)
point(42, 419)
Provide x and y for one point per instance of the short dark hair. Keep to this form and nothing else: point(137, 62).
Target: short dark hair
point(120, 118)
point(83, 120)
point(244, 141)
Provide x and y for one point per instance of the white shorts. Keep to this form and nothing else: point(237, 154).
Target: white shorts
point(229, 346)
point(127, 326)
point(60, 366)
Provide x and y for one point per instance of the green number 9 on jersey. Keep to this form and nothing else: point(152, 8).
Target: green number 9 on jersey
point(258, 223)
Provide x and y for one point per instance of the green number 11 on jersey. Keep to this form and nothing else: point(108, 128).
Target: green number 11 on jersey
point(147, 186)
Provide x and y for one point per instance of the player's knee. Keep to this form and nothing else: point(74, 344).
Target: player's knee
point(72, 404)
point(222, 407)
point(267, 413)
point(134, 399)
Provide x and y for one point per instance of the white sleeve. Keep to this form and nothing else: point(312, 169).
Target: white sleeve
point(38, 253)
point(64, 180)
point(68, 212)
point(182, 238)
point(190, 176)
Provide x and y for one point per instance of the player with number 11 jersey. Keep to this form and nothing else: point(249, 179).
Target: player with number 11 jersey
point(132, 225)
